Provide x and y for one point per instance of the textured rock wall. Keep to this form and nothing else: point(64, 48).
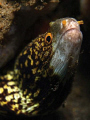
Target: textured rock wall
point(15, 18)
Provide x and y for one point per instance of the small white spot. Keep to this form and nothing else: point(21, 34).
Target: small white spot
point(61, 25)
point(69, 38)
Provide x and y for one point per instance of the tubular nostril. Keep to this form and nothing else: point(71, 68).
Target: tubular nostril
point(64, 22)
point(80, 22)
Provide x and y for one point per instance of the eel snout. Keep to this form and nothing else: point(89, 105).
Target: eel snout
point(71, 30)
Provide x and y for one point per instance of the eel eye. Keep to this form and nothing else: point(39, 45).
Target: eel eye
point(48, 38)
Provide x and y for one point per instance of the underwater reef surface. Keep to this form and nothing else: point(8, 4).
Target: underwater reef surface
point(15, 18)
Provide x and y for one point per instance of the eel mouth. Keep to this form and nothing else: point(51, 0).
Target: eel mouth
point(74, 35)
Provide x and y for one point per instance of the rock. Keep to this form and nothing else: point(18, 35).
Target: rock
point(15, 19)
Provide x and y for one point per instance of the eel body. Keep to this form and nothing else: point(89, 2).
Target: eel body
point(43, 71)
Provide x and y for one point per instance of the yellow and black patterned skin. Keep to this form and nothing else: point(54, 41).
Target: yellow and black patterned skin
point(43, 71)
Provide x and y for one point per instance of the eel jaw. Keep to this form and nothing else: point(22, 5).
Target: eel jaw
point(67, 48)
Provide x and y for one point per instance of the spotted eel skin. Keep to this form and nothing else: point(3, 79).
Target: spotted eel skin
point(42, 70)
